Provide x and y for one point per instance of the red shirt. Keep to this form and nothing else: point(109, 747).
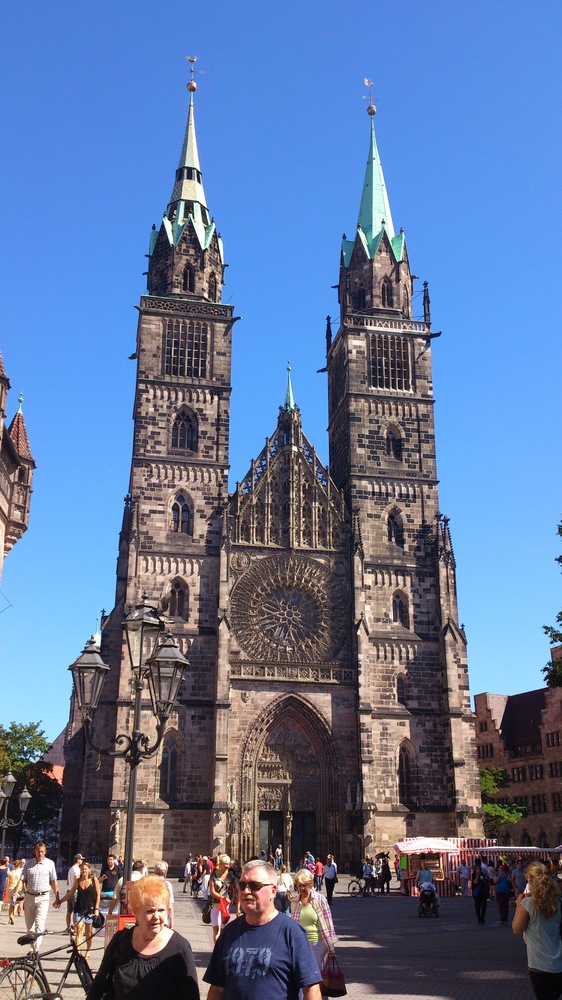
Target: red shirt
point(318, 868)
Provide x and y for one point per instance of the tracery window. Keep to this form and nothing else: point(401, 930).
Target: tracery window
point(406, 302)
point(179, 600)
point(394, 444)
point(184, 432)
point(360, 297)
point(390, 362)
point(395, 529)
point(400, 610)
point(387, 297)
point(185, 349)
point(169, 768)
point(213, 288)
point(181, 516)
point(405, 776)
point(188, 279)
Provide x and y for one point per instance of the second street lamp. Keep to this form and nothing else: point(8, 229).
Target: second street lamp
point(24, 798)
point(163, 667)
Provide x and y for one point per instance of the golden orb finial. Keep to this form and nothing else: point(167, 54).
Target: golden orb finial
point(371, 110)
point(192, 86)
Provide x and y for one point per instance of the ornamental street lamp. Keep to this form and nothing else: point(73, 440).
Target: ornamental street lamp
point(163, 668)
point(24, 798)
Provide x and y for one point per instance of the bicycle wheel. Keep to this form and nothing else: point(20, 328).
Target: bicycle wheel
point(20, 981)
point(355, 888)
point(83, 970)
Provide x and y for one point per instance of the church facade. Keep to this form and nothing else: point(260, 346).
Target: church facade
point(326, 706)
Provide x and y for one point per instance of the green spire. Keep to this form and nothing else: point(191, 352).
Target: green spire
point(289, 398)
point(375, 206)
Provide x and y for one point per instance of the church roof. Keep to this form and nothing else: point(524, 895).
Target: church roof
point(375, 216)
point(188, 204)
point(18, 435)
point(3, 370)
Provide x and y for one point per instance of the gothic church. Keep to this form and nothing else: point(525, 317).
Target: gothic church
point(326, 706)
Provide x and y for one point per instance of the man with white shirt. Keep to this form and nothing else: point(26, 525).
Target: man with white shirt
point(38, 878)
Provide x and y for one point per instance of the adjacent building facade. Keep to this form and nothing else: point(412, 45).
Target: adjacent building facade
point(523, 734)
point(327, 703)
point(16, 473)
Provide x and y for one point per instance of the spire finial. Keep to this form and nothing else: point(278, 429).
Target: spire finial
point(192, 86)
point(289, 398)
point(371, 110)
point(20, 401)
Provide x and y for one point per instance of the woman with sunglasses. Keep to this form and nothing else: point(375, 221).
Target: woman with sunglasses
point(315, 917)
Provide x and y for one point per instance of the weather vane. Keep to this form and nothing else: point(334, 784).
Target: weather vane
point(371, 109)
point(192, 85)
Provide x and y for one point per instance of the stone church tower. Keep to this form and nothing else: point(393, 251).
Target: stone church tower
point(326, 705)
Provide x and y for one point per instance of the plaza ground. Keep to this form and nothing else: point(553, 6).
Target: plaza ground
point(384, 948)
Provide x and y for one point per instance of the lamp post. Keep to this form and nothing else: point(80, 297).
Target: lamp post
point(24, 798)
point(163, 668)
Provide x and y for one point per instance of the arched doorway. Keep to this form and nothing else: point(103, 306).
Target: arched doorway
point(289, 789)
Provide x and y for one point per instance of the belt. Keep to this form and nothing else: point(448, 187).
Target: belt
point(43, 893)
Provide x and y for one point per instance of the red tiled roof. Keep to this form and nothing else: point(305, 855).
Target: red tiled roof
point(18, 434)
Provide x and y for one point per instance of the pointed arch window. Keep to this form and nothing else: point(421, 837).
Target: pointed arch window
point(213, 288)
point(188, 279)
point(360, 297)
point(405, 776)
point(169, 768)
point(179, 600)
point(387, 297)
point(401, 691)
point(394, 444)
point(395, 529)
point(400, 610)
point(184, 432)
point(406, 302)
point(181, 516)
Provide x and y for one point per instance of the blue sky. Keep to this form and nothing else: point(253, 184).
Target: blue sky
point(93, 115)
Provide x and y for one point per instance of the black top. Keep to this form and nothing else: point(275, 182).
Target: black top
point(169, 973)
point(111, 879)
point(85, 899)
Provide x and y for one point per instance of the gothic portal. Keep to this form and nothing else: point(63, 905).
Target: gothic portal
point(327, 704)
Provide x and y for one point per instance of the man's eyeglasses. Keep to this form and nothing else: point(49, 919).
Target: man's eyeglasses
point(252, 886)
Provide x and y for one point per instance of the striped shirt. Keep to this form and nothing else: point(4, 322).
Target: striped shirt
point(39, 875)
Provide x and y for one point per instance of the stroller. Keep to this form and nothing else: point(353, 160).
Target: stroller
point(429, 900)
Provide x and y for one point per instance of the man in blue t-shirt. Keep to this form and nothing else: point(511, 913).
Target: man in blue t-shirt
point(264, 954)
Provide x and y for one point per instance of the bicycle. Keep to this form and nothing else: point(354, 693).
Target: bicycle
point(25, 978)
point(356, 887)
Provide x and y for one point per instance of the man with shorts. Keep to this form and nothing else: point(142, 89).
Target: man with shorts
point(109, 877)
point(264, 954)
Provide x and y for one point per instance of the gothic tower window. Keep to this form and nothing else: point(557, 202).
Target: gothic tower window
point(405, 302)
point(359, 297)
point(185, 352)
point(184, 432)
point(401, 691)
point(400, 610)
point(169, 768)
point(390, 362)
point(188, 279)
point(179, 600)
point(405, 776)
point(181, 516)
point(394, 444)
point(395, 529)
point(213, 288)
point(386, 294)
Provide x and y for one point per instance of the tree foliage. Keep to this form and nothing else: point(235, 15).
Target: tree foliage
point(497, 814)
point(22, 746)
point(553, 670)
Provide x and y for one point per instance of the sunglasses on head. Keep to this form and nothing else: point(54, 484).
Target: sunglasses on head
point(252, 886)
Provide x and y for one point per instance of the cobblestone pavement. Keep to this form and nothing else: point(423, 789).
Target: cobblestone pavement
point(384, 948)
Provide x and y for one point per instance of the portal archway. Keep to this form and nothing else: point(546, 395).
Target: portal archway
point(289, 789)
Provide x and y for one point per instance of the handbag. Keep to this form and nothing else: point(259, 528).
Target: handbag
point(206, 912)
point(223, 910)
point(333, 980)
